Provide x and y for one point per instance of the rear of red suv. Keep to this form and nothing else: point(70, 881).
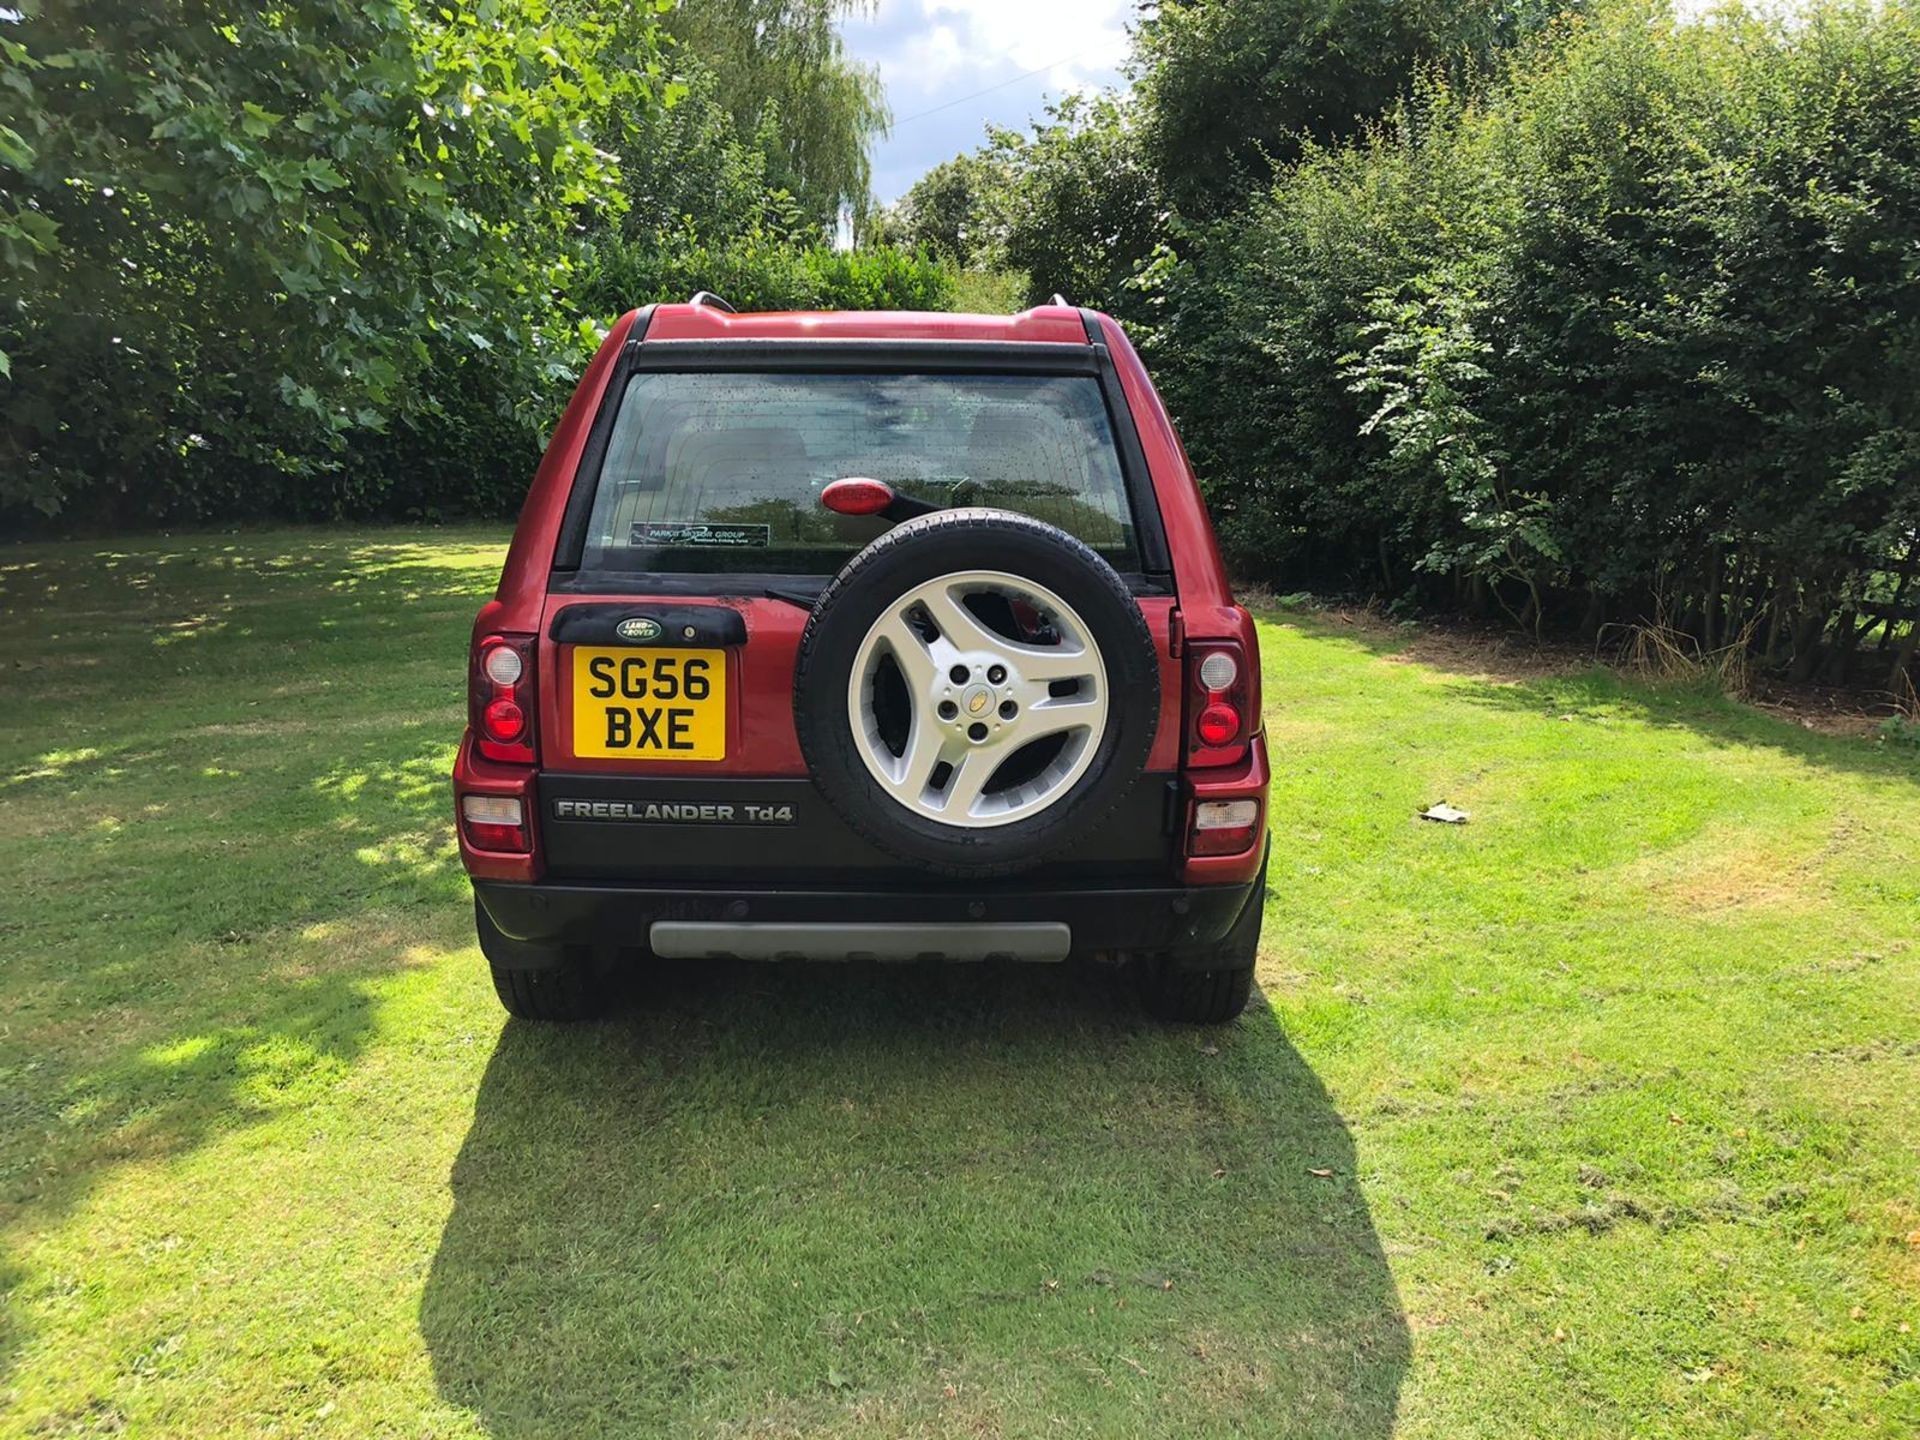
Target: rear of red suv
point(882, 635)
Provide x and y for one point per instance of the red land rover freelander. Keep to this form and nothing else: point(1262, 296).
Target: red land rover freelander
point(864, 635)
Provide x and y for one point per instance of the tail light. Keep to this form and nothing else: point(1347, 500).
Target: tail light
point(495, 822)
point(500, 698)
point(1222, 702)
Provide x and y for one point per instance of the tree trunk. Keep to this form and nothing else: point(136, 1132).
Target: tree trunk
point(1770, 653)
point(1846, 640)
point(1710, 604)
point(1902, 670)
point(1595, 617)
point(1806, 644)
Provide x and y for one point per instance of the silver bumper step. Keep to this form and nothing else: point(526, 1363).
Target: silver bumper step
point(712, 939)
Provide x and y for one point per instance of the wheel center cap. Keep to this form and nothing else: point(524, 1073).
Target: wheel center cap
point(978, 701)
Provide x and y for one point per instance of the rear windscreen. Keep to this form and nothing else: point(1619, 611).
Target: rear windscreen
point(723, 471)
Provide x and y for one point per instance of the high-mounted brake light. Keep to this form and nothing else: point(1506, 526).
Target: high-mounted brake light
point(857, 495)
point(501, 698)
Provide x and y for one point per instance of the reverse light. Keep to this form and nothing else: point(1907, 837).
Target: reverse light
point(1208, 814)
point(1218, 671)
point(502, 665)
point(501, 698)
point(1223, 827)
point(495, 822)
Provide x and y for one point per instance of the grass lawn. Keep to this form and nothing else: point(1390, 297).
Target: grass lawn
point(1595, 1117)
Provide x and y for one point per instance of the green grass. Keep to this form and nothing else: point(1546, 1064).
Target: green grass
point(1594, 1117)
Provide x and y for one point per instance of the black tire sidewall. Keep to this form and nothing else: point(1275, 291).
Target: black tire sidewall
point(925, 549)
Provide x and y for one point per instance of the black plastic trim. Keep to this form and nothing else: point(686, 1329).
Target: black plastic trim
point(573, 525)
point(680, 625)
point(1172, 919)
point(724, 584)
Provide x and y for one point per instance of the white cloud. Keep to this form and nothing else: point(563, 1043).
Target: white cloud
point(1071, 40)
point(929, 45)
point(952, 66)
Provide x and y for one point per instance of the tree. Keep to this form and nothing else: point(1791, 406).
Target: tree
point(1081, 210)
point(957, 209)
point(231, 239)
point(781, 70)
point(1231, 89)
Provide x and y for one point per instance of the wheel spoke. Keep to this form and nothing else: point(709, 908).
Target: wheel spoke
point(915, 768)
point(1049, 662)
point(948, 657)
point(910, 653)
point(961, 628)
point(970, 775)
point(1049, 717)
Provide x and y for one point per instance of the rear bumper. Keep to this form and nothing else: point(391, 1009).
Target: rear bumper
point(792, 921)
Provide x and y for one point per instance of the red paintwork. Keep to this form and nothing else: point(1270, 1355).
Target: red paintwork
point(522, 592)
point(475, 775)
point(1057, 323)
point(1247, 781)
point(761, 738)
point(1205, 595)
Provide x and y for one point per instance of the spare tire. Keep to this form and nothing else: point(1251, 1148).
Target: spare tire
point(976, 691)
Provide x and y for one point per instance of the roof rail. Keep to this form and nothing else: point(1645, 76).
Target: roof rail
point(707, 297)
point(1058, 299)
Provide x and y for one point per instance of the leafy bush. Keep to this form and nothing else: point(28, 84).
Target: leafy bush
point(1634, 336)
point(232, 239)
point(1898, 730)
point(325, 258)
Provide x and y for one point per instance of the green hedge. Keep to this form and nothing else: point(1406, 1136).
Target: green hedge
point(1635, 336)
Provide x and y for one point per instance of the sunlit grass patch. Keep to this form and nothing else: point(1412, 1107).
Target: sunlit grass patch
point(1591, 1117)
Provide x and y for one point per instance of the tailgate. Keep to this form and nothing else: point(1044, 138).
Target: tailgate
point(668, 750)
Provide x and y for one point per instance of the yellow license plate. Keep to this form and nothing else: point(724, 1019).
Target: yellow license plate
point(635, 704)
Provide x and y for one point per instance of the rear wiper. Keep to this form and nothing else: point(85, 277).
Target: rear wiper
point(792, 597)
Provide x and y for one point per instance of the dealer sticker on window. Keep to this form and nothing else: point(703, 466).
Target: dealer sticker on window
point(721, 537)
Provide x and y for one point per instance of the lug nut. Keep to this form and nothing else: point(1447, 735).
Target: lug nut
point(976, 732)
point(1008, 709)
point(948, 709)
point(958, 674)
point(996, 674)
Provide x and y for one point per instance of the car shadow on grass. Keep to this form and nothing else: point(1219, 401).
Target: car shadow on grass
point(878, 1200)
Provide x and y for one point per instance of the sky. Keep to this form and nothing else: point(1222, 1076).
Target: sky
point(953, 66)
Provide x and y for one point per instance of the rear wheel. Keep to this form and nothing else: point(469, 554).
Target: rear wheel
point(540, 982)
point(1212, 989)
